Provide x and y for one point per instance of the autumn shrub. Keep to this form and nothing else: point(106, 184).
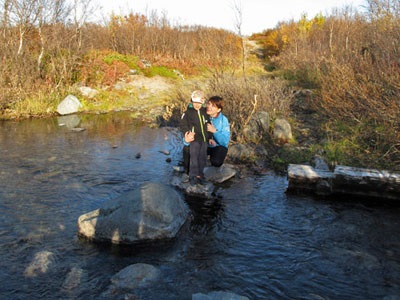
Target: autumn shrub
point(105, 67)
point(352, 62)
point(243, 97)
point(247, 95)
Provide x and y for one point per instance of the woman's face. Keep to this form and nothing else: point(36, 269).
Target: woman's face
point(212, 109)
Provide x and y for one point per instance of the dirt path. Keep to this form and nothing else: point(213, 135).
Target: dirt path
point(147, 86)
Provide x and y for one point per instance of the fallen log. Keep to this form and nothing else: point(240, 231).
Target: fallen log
point(344, 180)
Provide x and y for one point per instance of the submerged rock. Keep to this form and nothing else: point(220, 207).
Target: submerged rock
point(129, 280)
point(218, 295)
point(74, 279)
point(152, 212)
point(134, 276)
point(40, 264)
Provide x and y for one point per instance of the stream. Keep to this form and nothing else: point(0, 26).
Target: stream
point(255, 240)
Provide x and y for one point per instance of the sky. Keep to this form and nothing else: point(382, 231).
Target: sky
point(257, 15)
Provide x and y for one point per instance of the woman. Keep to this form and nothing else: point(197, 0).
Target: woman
point(220, 129)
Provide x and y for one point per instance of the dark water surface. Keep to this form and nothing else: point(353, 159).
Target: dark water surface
point(255, 241)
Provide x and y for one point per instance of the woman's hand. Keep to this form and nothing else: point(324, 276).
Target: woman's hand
point(211, 128)
point(189, 136)
point(212, 143)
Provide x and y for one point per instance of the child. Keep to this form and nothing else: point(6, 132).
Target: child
point(194, 123)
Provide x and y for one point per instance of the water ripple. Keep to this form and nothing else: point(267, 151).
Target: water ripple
point(255, 240)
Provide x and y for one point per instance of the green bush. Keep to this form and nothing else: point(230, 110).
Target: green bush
point(160, 71)
point(130, 60)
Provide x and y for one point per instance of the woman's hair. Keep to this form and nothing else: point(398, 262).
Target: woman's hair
point(217, 101)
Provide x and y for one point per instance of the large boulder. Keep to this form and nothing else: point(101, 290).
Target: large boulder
point(152, 212)
point(241, 152)
point(257, 127)
point(69, 105)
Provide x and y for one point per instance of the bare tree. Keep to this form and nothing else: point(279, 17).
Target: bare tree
point(238, 12)
point(23, 14)
point(49, 13)
point(82, 10)
point(5, 16)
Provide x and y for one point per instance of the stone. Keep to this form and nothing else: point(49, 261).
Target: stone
point(240, 152)
point(307, 178)
point(257, 127)
point(40, 264)
point(134, 276)
point(219, 175)
point(205, 190)
point(69, 105)
point(366, 182)
point(218, 295)
point(344, 180)
point(152, 212)
point(74, 279)
point(320, 163)
point(88, 92)
point(282, 131)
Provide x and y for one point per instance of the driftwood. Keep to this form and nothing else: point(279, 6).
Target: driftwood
point(344, 180)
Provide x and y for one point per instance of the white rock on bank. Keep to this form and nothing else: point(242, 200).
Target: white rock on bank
point(69, 105)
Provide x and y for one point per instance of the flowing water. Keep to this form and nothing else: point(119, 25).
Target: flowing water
point(255, 240)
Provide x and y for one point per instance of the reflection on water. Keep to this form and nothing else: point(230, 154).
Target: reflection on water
point(255, 241)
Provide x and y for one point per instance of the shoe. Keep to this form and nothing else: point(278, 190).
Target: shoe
point(185, 178)
point(193, 180)
point(201, 180)
point(178, 169)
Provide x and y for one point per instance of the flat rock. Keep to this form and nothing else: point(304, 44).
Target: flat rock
point(219, 175)
point(202, 190)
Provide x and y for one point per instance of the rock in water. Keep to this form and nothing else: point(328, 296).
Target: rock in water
point(219, 175)
point(152, 212)
point(207, 189)
point(134, 276)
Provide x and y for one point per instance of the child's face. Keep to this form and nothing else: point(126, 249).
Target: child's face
point(197, 105)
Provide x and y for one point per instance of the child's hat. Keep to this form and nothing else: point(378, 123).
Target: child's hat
point(198, 96)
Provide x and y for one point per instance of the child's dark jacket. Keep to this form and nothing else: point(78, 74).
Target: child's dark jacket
point(196, 120)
